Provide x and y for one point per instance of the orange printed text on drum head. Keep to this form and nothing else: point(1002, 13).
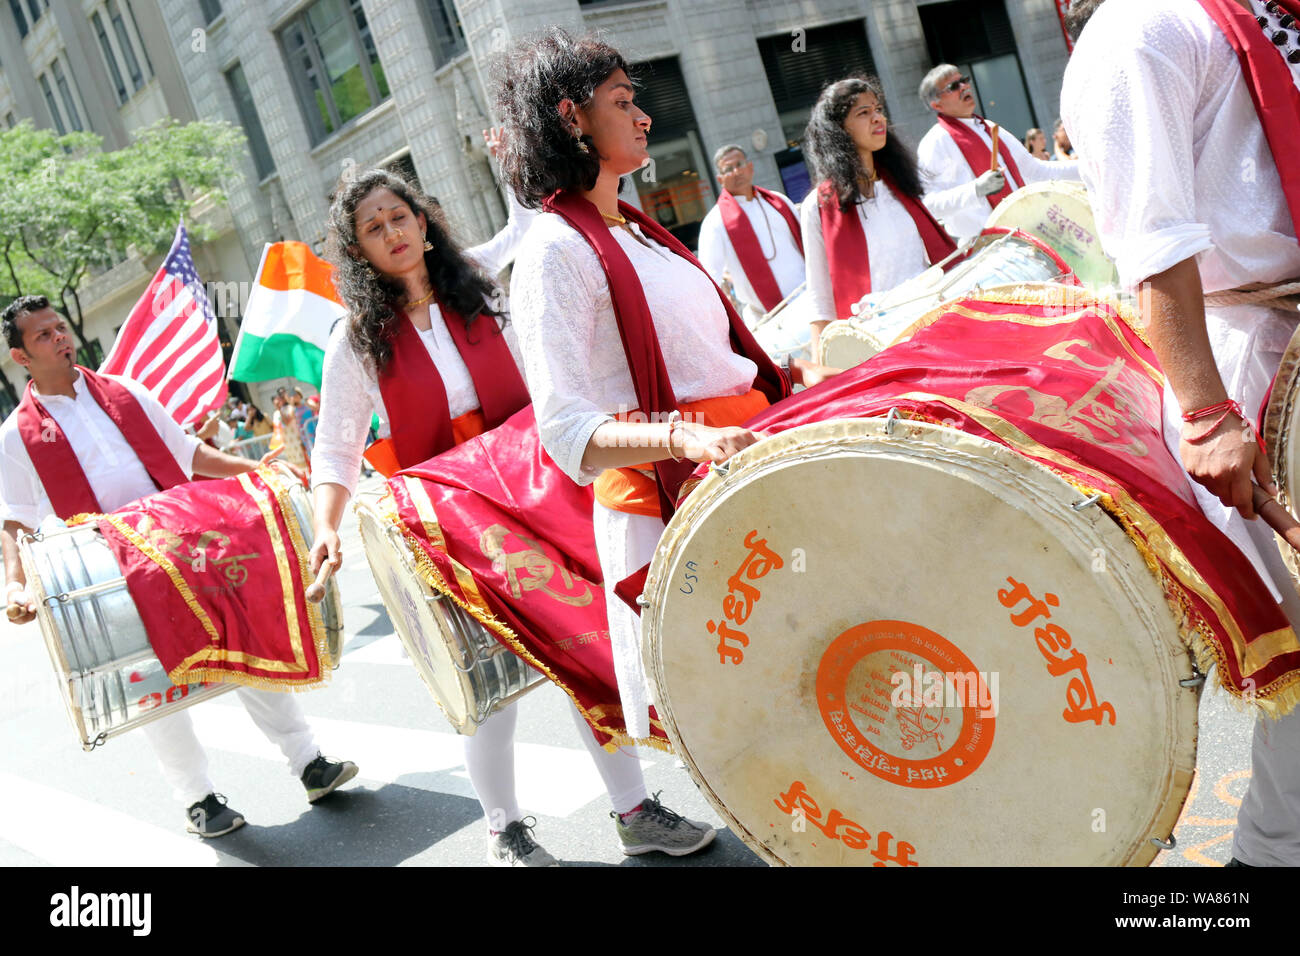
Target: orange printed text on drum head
point(799, 804)
point(742, 596)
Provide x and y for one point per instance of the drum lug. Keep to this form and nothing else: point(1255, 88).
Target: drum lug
point(56, 599)
point(891, 420)
point(37, 536)
point(1196, 680)
point(1173, 842)
point(641, 601)
point(719, 470)
point(97, 742)
point(1087, 502)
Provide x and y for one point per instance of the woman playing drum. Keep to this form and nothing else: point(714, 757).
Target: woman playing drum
point(637, 363)
point(865, 229)
point(424, 350)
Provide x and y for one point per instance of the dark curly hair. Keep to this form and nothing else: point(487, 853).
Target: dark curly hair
point(369, 295)
point(1080, 13)
point(541, 154)
point(831, 154)
point(15, 310)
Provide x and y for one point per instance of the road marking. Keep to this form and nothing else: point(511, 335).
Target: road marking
point(64, 830)
point(554, 781)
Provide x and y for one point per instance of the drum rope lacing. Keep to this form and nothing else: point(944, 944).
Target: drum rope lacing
point(1256, 293)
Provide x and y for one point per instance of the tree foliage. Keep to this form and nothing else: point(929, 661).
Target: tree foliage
point(69, 210)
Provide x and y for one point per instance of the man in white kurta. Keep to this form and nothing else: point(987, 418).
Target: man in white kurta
point(954, 193)
point(1179, 171)
point(718, 254)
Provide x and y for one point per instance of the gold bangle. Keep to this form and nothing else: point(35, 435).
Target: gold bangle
point(673, 421)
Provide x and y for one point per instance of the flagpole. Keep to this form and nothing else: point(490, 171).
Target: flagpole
point(239, 339)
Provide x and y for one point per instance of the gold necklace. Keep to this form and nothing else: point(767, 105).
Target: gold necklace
point(618, 219)
point(420, 301)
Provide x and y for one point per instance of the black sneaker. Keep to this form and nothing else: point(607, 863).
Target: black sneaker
point(210, 817)
point(322, 777)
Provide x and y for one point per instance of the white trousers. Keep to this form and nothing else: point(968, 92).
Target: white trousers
point(625, 544)
point(185, 763)
point(490, 760)
point(1248, 343)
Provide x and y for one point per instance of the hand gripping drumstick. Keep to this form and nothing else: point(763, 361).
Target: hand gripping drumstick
point(316, 590)
point(1277, 517)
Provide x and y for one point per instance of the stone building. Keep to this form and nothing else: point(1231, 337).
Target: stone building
point(322, 85)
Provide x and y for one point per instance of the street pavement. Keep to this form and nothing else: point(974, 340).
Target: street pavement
point(412, 803)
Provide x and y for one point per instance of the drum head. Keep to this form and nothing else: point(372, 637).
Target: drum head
point(935, 660)
point(844, 344)
point(1058, 212)
point(408, 599)
point(1281, 429)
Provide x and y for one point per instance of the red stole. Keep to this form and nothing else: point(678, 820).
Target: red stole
point(979, 156)
point(415, 398)
point(636, 328)
point(741, 233)
point(1277, 101)
point(56, 464)
point(846, 243)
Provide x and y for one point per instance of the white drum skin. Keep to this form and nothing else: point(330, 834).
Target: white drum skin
point(920, 551)
point(1058, 212)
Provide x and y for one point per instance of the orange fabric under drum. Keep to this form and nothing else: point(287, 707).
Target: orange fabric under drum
point(633, 490)
point(383, 457)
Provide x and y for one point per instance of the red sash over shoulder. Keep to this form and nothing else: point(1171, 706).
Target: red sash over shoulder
point(495, 524)
point(416, 399)
point(654, 390)
point(56, 464)
point(743, 239)
point(1277, 101)
point(846, 243)
point(979, 156)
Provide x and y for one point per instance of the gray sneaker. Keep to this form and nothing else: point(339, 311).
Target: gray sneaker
point(655, 827)
point(210, 817)
point(515, 846)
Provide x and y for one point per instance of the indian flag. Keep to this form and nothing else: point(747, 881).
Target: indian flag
point(288, 318)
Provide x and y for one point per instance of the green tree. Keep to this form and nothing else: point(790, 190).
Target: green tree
point(68, 208)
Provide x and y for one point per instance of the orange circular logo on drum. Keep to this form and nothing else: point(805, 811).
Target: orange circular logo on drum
point(906, 704)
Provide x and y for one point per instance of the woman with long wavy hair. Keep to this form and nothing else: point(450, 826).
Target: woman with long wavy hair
point(865, 229)
point(425, 349)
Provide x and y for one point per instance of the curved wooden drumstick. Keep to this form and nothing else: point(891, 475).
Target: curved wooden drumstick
point(996, 130)
point(1277, 517)
point(316, 590)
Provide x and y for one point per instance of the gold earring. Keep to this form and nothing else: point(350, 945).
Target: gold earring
point(582, 146)
point(428, 246)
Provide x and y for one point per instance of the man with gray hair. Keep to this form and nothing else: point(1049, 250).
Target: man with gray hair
point(956, 157)
point(752, 235)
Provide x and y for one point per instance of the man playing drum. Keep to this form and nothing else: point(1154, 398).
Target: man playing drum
point(956, 157)
point(1187, 117)
point(127, 447)
point(753, 235)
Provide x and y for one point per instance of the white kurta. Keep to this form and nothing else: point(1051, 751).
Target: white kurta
point(1177, 166)
point(894, 248)
point(950, 183)
point(579, 378)
point(718, 255)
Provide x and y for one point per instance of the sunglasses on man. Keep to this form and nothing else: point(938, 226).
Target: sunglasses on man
point(956, 84)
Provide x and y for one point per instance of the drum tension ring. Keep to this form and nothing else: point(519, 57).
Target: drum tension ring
point(1173, 842)
point(1080, 505)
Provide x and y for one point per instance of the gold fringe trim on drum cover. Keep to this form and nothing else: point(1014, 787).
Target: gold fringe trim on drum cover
point(433, 577)
point(1275, 699)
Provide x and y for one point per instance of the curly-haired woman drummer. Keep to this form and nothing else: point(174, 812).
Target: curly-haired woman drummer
point(865, 229)
point(637, 363)
point(423, 348)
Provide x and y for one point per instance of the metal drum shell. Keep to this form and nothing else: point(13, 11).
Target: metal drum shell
point(746, 739)
point(469, 673)
point(1058, 212)
point(1281, 433)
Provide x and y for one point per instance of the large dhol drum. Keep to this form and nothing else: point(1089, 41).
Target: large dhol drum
point(467, 670)
point(935, 660)
point(110, 678)
point(995, 258)
point(1058, 212)
point(787, 329)
point(1281, 432)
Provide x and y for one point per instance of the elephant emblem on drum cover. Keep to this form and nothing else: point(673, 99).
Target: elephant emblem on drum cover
point(532, 569)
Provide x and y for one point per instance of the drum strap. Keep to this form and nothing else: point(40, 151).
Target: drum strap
point(415, 397)
point(56, 464)
point(847, 254)
point(1272, 89)
point(748, 250)
point(979, 155)
point(654, 389)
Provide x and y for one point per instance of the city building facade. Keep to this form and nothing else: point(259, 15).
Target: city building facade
point(321, 87)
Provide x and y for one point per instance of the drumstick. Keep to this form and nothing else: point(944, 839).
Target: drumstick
point(316, 590)
point(1277, 517)
point(996, 130)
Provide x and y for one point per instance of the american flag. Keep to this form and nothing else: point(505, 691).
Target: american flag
point(169, 343)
